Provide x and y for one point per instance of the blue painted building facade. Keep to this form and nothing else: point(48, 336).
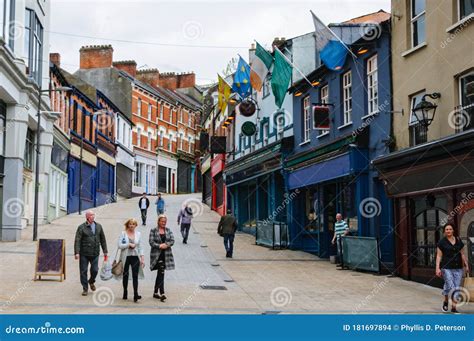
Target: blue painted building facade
point(331, 168)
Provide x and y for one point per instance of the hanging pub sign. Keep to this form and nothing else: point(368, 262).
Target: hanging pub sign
point(203, 141)
point(249, 128)
point(218, 144)
point(246, 108)
point(321, 117)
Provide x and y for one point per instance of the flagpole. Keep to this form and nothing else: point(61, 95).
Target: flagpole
point(334, 34)
point(289, 61)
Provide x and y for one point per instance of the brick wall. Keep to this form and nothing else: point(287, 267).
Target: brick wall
point(96, 56)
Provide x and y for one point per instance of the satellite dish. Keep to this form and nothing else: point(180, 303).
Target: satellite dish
point(247, 108)
point(249, 128)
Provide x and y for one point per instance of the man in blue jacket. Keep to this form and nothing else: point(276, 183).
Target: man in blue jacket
point(160, 205)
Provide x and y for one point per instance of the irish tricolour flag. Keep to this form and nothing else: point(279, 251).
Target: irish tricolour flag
point(260, 66)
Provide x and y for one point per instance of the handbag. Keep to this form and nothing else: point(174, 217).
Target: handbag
point(117, 266)
point(469, 286)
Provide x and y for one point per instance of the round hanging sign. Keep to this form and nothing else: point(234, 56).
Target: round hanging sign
point(249, 128)
point(247, 108)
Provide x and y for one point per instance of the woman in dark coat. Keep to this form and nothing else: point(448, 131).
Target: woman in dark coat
point(161, 256)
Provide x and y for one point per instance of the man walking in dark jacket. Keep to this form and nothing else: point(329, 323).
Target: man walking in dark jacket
point(143, 204)
point(89, 238)
point(226, 228)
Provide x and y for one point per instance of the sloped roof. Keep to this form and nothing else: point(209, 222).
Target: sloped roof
point(88, 90)
point(375, 17)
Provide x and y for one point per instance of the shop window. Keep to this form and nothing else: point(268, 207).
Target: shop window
point(2, 128)
point(418, 31)
point(137, 180)
point(349, 208)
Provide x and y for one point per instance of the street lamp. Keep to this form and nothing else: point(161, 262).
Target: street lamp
point(100, 112)
point(425, 111)
point(37, 152)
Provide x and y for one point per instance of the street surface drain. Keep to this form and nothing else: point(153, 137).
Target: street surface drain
point(213, 287)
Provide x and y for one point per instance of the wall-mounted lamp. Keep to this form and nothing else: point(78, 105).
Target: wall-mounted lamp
point(425, 111)
point(298, 93)
point(362, 50)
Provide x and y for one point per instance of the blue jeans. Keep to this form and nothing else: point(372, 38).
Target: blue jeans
point(160, 211)
point(229, 242)
point(452, 281)
point(83, 266)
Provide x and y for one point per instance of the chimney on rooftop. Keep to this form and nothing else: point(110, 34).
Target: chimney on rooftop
point(96, 56)
point(129, 66)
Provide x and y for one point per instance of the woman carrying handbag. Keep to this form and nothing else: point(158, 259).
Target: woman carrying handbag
point(131, 255)
point(161, 256)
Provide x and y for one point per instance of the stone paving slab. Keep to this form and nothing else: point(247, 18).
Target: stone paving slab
point(264, 280)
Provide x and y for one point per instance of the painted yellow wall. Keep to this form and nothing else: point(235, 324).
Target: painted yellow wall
point(433, 68)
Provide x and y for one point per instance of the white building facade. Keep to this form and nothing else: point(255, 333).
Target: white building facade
point(24, 66)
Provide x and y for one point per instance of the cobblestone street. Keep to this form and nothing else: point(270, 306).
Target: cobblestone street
point(257, 280)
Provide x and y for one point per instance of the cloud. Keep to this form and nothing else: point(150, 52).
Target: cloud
point(224, 29)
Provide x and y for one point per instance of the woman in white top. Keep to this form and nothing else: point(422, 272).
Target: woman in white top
point(131, 255)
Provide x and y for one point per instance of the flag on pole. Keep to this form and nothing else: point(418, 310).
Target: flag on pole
point(281, 77)
point(223, 93)
point(241, 83)
point(332, 50)
point(260, 67)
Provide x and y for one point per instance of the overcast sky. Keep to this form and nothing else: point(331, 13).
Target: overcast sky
point(199, 36)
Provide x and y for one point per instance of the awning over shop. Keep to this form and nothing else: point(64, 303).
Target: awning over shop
point(323, 171)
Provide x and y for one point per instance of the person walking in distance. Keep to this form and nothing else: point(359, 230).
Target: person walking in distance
point(131, 255)
point(226, 228)
point(89, 239)
point(450, 260)
point(184, 220)
point(161, 257)
point(143, 204)
point(160, 205)
point(340, 229)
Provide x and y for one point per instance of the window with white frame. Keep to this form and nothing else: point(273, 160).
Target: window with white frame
point(161, 110)
point(265, 132)
point(118, 128)
point(372, 85)
point(347, 97)
point(189, 119)
point(466, 8)
point(149, 140)
point(139, 136)
point(418, 132)
point(280, 124)
point(124, 134)
point(306, 118)
point(139, 107)
point(149, 111)
point(189, 144)
point(7, 22)
point(181, 141)
point(324, 99)
point(170, 143)
point(465, 112)
point(33, 45)
point(160, 138)
point(417, 15)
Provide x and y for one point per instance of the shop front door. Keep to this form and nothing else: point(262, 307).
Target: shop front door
point(329, 213)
